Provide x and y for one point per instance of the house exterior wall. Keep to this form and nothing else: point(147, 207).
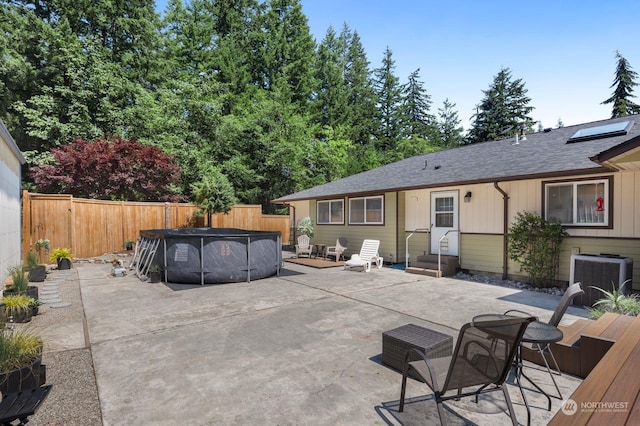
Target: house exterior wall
point(356, 234)
point(481, 224)
point(10, 228)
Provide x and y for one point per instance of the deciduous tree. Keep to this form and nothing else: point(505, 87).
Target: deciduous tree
point(110, 169)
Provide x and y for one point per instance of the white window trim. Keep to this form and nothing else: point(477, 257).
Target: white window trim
point(381, 222)
point(575, 184)
point(329, 202)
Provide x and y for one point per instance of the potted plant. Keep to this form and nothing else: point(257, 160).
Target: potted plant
point(37, 273)
point(19, 307)
point(128, 245)
point(20, 361)
point(19, 283)
point(42, 244)
point(155, 273)
point(63, 257)
point(305, 227)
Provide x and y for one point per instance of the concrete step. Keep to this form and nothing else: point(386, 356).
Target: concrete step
point(423, 271)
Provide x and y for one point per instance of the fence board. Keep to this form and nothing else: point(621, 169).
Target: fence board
point(95, 227)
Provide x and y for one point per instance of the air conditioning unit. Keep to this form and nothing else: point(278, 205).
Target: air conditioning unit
point(601, 271)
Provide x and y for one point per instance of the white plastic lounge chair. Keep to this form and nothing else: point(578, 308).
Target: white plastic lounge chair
point(368, 255)
point(304, 246)
point(338, 249)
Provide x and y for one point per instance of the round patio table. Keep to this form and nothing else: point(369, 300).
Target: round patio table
point(538, 333)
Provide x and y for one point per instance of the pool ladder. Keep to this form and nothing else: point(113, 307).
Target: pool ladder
point(143, 255)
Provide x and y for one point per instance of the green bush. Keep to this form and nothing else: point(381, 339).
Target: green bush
point(535, 243)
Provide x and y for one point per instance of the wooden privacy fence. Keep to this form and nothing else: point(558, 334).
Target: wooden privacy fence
point(95, 227)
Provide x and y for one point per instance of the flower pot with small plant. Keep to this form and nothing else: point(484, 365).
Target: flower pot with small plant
point(19, 283)
point(19, 308)
point(63, 257)
point(20, 360)
point(36, 272)
point(155, 273)
point(128, 245)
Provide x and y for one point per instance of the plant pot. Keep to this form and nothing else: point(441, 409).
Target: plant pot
point(31, 376)
point(19, 317)
point(38, 274)
point(32, 291)
point(128, 246)
point(64, 264)
point(155, 277)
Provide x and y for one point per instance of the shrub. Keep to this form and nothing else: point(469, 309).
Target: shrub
point(535, 244)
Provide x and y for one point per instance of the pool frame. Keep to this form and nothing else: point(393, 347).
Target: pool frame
point(208, 269)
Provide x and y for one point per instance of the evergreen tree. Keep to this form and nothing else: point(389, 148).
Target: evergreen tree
point(449, 125)
point(288, 52)
point(362, 121)
point(331, 94)
point(389, 94)
point(502, 111)
point(624, 82)
point(417, 121)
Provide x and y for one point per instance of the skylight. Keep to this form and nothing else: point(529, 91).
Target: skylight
point(598, 132)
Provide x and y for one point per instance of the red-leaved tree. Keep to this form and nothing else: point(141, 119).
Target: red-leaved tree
point(113, 169)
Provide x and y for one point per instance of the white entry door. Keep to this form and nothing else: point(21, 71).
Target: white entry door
point(444, 217)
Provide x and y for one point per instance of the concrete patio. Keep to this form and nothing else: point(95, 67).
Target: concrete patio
point(299, 349)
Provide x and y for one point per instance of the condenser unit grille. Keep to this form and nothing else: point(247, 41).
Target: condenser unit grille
point(601, 271)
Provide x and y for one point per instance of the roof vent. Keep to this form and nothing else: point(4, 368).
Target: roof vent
point(599, 132)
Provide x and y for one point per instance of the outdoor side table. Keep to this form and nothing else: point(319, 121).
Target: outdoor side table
point(397, 342)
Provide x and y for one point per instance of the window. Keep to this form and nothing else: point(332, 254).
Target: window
point(598, 132)
point(330, 212)
point(367, 210)
point(582, 203)
point(444, 212)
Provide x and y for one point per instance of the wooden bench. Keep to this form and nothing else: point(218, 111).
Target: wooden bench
point(584, 343)
point(610, 394)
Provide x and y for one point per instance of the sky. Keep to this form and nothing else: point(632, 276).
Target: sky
point(562, 50)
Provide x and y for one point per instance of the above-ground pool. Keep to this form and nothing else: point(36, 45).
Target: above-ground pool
point(215, 255)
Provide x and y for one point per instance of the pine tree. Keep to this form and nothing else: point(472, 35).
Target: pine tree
point(417, 121)
point(389, 94)
point(331, 93)
point(362, 120)
point(288, 52)
point(502, 111)
point(624, 82)
point(449, 126)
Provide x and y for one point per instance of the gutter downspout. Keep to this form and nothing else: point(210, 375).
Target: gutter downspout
point(505, 230)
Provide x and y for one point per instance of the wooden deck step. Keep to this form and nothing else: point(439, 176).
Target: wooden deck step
point(423, 271)
point(571, 333)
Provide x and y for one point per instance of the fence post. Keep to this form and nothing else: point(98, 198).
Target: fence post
point(26, 224)
point(167, 216)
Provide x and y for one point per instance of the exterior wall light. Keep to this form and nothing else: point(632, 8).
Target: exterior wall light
point(467, 197)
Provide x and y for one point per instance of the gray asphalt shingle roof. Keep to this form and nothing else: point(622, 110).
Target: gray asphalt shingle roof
point(542, 154)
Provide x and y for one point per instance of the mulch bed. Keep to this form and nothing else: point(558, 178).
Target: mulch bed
point(315, 263)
